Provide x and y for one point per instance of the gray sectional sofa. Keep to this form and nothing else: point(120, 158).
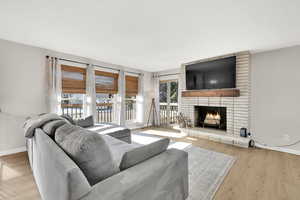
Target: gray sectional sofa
point(162, 177)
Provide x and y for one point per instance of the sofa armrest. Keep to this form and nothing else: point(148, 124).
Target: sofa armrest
point(164, 176)
point(56, 175)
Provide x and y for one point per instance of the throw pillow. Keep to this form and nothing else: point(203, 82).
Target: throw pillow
point(51, 126)
point(85, 123)
point(69, 118)
point(88, 150)
point(143, 153)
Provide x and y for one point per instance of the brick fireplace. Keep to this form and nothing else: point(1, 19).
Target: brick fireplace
point(234, 111)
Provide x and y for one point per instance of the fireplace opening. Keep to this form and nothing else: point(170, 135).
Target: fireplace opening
point(210, 117)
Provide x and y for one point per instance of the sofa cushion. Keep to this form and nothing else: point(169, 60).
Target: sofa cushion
point(86, 122)
point(69, 118)
point(37, 121)
point(114, 130)
point(51, 126)
point(143, 153)
point(88, 150)
point(118, 148)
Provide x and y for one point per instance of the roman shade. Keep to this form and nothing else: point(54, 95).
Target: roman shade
point(132, 85)
point(73, 79)
point(106, 82)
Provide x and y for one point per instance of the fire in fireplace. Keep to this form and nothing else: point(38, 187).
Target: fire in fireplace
point(213, 119)
point(210, 117)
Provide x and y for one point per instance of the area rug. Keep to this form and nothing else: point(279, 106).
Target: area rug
point(207, 169)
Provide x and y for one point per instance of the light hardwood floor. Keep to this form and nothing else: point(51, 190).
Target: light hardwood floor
point(257, 174)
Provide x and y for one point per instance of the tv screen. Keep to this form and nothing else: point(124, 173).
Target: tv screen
point(215, 74)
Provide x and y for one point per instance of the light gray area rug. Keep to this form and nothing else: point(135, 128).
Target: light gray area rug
point(207, 169)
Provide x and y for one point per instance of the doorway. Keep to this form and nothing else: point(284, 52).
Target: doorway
point(168, 102)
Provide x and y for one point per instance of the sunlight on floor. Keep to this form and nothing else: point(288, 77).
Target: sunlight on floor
point(192, 138)
point(179, 145)
point(141, 139)
point(7, 173)
point(165, 133)
point(145, 138)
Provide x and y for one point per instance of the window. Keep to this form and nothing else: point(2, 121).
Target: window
point(73, 90)
point(104, 104)
point(130, 108)
point(174, 92)
point(106, 82)
point(106, 87)
point(72, 105)
point(73, 79)
point(168, 101)
point(163, 92)
point(131, 93)
point(132, 85)
point(163, 101)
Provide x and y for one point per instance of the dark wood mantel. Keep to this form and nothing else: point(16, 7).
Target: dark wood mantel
point(212, 93)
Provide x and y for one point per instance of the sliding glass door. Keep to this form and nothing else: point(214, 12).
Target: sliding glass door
point(168, 101)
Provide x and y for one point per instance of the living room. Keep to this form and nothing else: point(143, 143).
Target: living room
point(182, 100)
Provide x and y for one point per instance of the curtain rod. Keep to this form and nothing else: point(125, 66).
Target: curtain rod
point(83, 63)
point(106, 67)
point(134, 72)
point(168, 74)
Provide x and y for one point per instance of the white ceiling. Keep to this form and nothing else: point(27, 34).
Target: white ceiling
point(151, 35)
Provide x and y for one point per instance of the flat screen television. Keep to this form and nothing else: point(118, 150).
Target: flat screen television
point(216, 74)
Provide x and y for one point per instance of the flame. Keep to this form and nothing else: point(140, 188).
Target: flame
point(211, 116)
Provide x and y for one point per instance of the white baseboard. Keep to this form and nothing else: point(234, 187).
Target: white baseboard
point(281, 149)
point(13, 151)
point(217, 136)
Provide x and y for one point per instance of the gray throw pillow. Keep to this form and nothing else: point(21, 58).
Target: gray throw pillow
point(51, 126)
point(88, 150)
point(85, 123)
point(69, 118)
point(143, 153)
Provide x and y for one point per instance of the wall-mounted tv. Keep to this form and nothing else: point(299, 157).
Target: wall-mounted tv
point(216, 74)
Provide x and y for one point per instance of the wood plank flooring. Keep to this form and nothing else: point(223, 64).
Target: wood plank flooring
point(16, 180)
point(257, 174)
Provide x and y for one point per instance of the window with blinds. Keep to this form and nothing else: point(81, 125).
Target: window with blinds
point(73, 79)
point(106, 87)
point(73, 90)
point(132, 85)
point(106, 82)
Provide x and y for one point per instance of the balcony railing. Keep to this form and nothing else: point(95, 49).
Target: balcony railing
point(166, 118)
point(73, 110)
point(104, 112)
point(130, 110)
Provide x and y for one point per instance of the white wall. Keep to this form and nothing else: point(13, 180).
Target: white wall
point(275, 85)
point(23, 88)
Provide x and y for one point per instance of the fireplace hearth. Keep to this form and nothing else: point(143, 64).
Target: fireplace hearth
point(210, 117)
